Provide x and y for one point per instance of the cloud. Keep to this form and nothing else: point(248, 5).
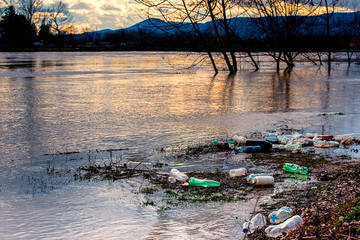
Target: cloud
point(112, 14)
point(110, 7)
point(81, 6)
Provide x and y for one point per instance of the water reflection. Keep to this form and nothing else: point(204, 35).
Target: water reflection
point(61, 102)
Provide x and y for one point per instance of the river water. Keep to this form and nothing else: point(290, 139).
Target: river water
point(87, 103)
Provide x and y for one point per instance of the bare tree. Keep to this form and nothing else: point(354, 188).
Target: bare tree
point(280, 22)
point(30, 9)
point(187, 15)
point(60, 17)
point(330, 7)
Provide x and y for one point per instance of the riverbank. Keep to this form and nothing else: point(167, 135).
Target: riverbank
point(328, 196)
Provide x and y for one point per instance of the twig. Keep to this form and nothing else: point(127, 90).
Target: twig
point(346, 236)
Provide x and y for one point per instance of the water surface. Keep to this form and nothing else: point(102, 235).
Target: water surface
point(54, 103)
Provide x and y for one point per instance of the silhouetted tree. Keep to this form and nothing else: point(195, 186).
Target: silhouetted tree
point(280, 22)
point(44, 33)
point(18, 31)
point(30, 9)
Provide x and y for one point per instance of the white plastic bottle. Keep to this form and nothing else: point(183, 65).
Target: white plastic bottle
point(238, 172)
point(263, 180)
point(179, 176)
point(280, 215)
point(251, 176)
point(289, 225)
point(257, 222)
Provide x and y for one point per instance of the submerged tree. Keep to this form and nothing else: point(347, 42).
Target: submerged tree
point(187, 17)
point(280, 23)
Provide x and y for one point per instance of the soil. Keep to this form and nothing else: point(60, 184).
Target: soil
point(331, 205)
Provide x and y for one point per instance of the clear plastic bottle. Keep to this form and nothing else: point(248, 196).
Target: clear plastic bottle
point(291, 224)
point(238, 172)
point(239, 139)
point(272, 137)
point(179, 176)
point(280, 215)
point(257, 222)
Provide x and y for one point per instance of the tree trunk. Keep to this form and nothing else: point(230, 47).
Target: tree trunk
point(253, 61)
point(213, 20)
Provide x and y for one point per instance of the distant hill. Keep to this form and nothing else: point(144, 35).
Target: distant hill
point(245, 27)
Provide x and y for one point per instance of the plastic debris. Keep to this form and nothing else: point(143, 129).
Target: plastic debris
point(178, 176)
point(197, 182)
point(263, 180)
point(239, 139)
point(251, 176)
point(280, 215)
point(249, 149)
point(221, 145)
point(294, 168)
point(326, 144)
point(272, 137)
point(291, 224)
point(265, 145)
point(256, 223)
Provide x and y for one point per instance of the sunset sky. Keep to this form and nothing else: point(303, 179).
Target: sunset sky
point(109, 14)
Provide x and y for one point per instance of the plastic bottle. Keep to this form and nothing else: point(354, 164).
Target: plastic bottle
point(197, 182)
point(280, 215)
point(257, 222)
point(283, 139)
point(289, 225)
point(272, 137)
point(221, 145)
point(252, 149)
point(265, 145)
point(172, 180)
point(294, 168)
point(239, 139)
point(293, 147)
point(249, 149)
point(325, 137)
point(326, 144)
point(251, 176)
point(179, 176)
point(238, 172)
point(349, 136)
point(263, 180)
point(296, 135)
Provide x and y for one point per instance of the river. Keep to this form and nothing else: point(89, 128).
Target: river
point(54, 103)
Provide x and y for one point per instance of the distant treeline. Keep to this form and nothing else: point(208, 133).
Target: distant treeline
point(282, 30)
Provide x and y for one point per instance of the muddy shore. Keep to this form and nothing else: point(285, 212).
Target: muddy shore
point(328, 197)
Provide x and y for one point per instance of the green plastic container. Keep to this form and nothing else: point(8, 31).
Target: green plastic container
point(294, 168)
point(197, 182)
